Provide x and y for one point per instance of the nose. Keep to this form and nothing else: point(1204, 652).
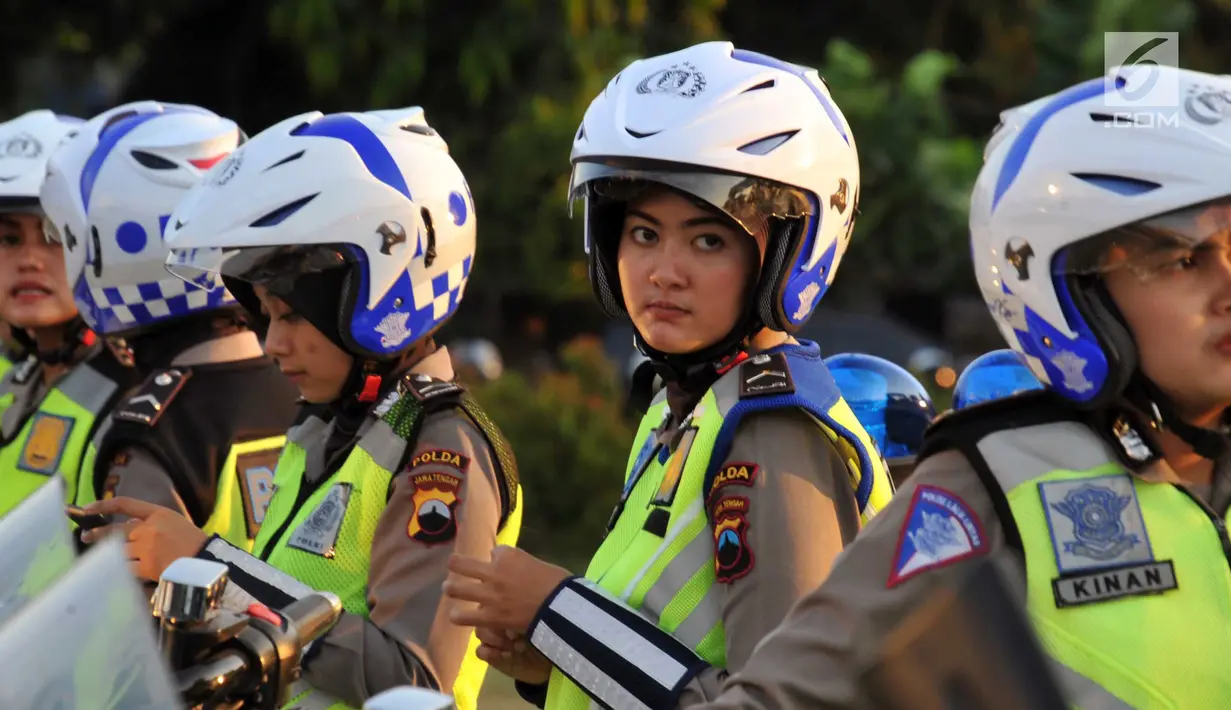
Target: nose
point(277, 341)
point(669, 266)
point(31, 258)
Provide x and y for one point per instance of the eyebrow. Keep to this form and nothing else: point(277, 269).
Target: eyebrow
point(10, 222)
point(692, 222)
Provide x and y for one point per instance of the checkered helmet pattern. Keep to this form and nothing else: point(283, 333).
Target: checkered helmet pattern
point(377, 188)
point(108, 196)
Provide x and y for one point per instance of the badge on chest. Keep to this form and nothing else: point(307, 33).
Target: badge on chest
point(45, 445)
point(1100, 542)
point(319, 533)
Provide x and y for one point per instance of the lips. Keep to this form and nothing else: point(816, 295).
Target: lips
point(666, 307)
point(29, 289)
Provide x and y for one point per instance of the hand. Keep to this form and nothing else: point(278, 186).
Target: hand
point(510, 653)
point(156, 536)
point(509, 589)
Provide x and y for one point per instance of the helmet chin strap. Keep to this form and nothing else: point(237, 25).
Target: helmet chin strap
point(76, 335)
point(1149, 398)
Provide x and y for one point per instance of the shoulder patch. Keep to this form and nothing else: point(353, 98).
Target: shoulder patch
point(443, 457)
point(156, 393)
point(940, 530)
point(733, 556)
point(44, 447)
point(425, 387)
point(737, 473)
point(765, 374)
point(435, 500)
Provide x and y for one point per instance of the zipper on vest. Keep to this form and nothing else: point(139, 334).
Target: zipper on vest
point(1219, 524)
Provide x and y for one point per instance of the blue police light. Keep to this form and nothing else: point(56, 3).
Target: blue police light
point(994, 375)
point(889, 402)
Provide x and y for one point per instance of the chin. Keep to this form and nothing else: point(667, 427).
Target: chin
point(667, 338)
point(37, 316)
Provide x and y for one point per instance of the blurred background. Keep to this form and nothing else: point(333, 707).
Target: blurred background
point(506, 83)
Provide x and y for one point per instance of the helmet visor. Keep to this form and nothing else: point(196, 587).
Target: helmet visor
point(750, 201)
point(1166, 246)
point(275, 267)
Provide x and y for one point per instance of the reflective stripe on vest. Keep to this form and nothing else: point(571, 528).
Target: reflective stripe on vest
point(367, 471)
point(671, 580)
point(53, 438)
point(1115, 650)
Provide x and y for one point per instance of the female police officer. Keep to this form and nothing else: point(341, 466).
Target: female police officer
point(1104, 254)
point(54, 399)
point(353, 235)
point(720, 189)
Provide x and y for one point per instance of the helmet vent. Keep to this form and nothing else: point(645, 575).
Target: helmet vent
point(284, 161)
point(768, 144)
point(635, 134)
point(1127, 186)
point(1116, 119)
point(763, 85)
point(153, 162)
point(279, 215)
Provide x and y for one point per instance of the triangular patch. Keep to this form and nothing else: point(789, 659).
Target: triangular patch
point(940, 529)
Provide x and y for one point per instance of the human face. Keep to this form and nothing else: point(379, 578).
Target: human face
point(685, 272)
point(316, 365)
point(1177, 303)
point(34, 291)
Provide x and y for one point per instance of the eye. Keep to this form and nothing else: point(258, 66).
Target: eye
point(643, 235)
point(290, 317)
point(709, 242)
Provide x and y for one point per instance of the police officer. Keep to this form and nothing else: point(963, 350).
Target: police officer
point(1105, 257)
point(720, 188)
point(202, 432)
point(353, 235)
point(893, 407)
point(52, 400)
point(992, 376)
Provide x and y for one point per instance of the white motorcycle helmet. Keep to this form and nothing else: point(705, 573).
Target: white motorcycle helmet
point(26, 144)
point(1065, 178)
point(108, 196)
point(374, 192)
point(757, 138)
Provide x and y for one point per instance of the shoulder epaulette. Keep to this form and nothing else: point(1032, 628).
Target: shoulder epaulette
point(154, 396)
point(765, 374)
point(23, 371)
point(425, 387)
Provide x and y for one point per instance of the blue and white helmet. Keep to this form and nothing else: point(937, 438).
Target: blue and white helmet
point(26, 144)
point(1067, 176)
point(108, 196)
point(376, 191)
point(992, 376)
point(893, 407)
point(755, 137)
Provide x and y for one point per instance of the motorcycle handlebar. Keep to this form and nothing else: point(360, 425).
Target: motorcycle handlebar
point(263, 649)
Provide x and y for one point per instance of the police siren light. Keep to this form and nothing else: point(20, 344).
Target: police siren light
point(994, 375)
point(889, 402)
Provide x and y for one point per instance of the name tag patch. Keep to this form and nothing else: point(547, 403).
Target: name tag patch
point(1104, 585)
point(256, 485)
point(1100, 541)
point(940, 530)
point(319, 533)
point(45, 445)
